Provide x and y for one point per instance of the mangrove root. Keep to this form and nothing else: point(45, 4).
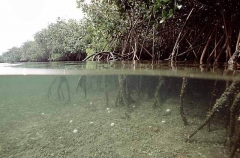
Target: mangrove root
point(183, 92)
point(157, 93)
point(234, 112)
point(224, 100)
point(123, 93)
point(213, 98)
point(105, 90)
point(82, 82)
point(62, 80)
point(101, 56)
point(235, 145)
point(118, 99)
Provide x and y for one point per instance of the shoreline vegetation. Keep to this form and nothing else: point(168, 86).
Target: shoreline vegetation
point(201, 30)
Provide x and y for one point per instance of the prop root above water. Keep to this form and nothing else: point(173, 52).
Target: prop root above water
point(108, 56)
point(225, 100)
point(182, 95)
point(62, 79)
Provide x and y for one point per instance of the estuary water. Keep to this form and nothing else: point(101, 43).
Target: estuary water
point(114, 110)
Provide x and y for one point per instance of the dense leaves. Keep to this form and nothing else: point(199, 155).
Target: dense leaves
point(59, 41)
point(200, 30)
point(12, 55)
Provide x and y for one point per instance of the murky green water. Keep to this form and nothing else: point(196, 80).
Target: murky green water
point(114, 110)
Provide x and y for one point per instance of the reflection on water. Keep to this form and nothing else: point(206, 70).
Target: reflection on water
point(125, 113)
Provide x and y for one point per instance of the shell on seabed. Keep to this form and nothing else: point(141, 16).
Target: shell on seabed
point(168, 110)
point(75, 131)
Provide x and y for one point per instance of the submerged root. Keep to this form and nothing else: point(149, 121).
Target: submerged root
point(105, 90)
point(123, 93)
point(62, 80)
point(50, 88)
point(157, 92)
point(225, 99)
point(213, 98)
point(235, 146)
point(82, 82)
point(118, 100)
point(234, 112)
point(183, 92)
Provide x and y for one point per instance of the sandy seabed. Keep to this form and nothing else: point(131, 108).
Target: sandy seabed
point(87, 128)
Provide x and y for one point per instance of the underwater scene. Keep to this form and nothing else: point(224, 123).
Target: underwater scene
point(118, 110)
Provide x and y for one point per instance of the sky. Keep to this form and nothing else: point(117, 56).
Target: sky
point(21, 19)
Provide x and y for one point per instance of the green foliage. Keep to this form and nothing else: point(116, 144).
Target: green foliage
point(30, 51)
point(12, 55)
point(63, 37)
point(107, 23)
point(89, 51)
point(1, 59)
point(56, 42)
point(159, 9)
point(104, 21)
